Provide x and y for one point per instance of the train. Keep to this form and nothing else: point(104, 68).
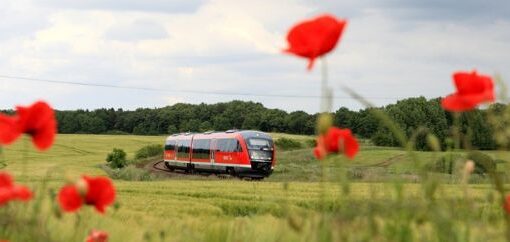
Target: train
point(242, 153)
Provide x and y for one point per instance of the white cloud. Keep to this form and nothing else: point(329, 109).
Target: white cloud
point(233, 46)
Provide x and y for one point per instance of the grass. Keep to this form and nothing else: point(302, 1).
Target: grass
point(291, 205)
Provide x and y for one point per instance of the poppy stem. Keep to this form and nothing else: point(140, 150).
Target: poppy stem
point(456, 130)
point(24, 159)
point(326, 94)
point(325, 109)
point(2, 158)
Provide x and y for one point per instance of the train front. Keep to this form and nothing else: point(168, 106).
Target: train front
point(260, 151)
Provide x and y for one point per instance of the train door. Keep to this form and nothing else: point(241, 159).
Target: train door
point(213, 152)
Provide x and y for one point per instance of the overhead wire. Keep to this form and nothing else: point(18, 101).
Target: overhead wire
point(174, 90)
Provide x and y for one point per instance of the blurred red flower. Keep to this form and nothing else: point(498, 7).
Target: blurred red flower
point(10, 191)
point(69, 198)
point(38, 121)
point(316, 37)
point(472, 90)
point(334, 141)
point(507, 204)
point(96, 191)
point(97, 236)
point(8, 129)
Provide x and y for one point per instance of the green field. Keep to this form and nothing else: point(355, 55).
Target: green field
point(384, 200)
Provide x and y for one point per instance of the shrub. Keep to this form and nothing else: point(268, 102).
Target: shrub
point(149, 151)
point(117, 158)
point(116, 132)
point(288, 144)
point(483, 162)
point(446, 164)
point(311, 143)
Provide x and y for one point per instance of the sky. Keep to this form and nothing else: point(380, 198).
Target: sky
point(221, 50)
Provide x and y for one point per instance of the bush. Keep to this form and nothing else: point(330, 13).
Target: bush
point(116, 132)
point(149, 151)
point(446, 164)
point(117, 158)
point(310, 143)
point(483, 162)
point(288, 144)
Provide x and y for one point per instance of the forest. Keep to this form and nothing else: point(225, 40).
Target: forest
point(410, 114)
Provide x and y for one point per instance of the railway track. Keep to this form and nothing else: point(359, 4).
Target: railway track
point(159, 166)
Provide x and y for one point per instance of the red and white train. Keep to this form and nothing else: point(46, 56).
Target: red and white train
point(241, 153)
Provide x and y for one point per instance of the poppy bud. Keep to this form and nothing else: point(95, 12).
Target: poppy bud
point(82, 187)
point(324, 122)
point(469, 167)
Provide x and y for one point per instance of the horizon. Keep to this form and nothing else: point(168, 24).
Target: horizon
point(482, 107)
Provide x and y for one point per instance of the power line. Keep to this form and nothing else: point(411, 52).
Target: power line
point(174, 91)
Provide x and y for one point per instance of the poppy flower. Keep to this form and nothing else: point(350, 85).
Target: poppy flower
point(472, 90)
point(97, 236)
point(95, 191)
point(10, 191)
point(314, 38)
point(8, 129)
point(38, 121)
point(506, 206)
point(69, 198)
point(336, 140)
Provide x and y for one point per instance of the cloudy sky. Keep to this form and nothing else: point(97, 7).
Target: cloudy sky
point(221, 50)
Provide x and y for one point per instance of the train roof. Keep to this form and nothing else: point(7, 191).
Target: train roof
point(233, 132)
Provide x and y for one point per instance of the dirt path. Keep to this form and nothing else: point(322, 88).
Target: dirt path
point(384, 163)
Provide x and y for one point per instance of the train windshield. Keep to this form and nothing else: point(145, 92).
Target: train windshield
point(260, 149)
point(259, 144)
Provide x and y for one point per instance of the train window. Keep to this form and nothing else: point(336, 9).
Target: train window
point(170, 145)
point(259, 142)
point(228, 145)
point(201, 148)
point(183, 147)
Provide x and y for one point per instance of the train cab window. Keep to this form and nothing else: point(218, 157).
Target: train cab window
point(259, 142)
point(183, 147)
point(201, 148)
point(228, 145)
point(170, 145)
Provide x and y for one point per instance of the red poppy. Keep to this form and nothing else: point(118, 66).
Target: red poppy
point(336, 140)
point(38, 121)
point(472, 90)
point(8, 129)
point(507, 204)
point(69, 198)
point(97, 236)
point(10, 191)
point(316, 37)
point(98, 192)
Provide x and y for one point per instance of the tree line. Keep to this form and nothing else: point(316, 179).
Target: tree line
point(409, 114)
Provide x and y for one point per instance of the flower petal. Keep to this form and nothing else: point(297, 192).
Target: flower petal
point(8, 129)
point(5, 180)
point(101, 192)
point(22, 193)
point(315, 38)
point(69, 198)
point(38, 120)
point(472, 90)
